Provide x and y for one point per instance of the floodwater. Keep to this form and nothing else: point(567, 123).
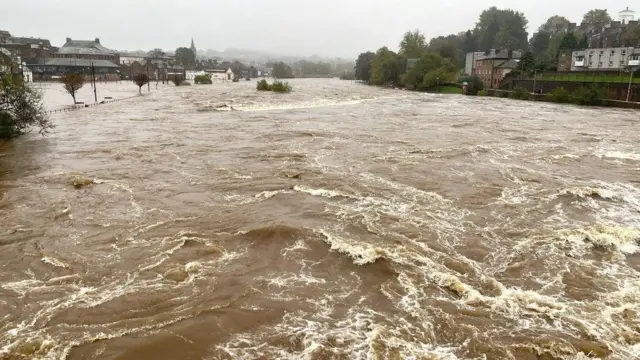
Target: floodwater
point(339, 221)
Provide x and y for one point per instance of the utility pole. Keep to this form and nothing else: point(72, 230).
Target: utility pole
point(535, 75)
point(93, 76)
point(148, 82)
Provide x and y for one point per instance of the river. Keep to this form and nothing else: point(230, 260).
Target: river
point(339, 221)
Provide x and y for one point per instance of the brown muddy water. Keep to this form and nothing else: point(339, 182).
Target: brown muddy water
point(336, 222)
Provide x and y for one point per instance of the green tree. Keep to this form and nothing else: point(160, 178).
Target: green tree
point(501, 29)
point(555, 24)
point(21, 106)
point(386, 67)
point(540, 44)
point(447, 47)
point(282, 71)
point(414, 78)
point(596, 16)
point(554, 45)
point(185, 57)
point(413, 44)
point(569, 42)
point(363, 66)
point(583, 43)
point(527, 62)
point(468, 43)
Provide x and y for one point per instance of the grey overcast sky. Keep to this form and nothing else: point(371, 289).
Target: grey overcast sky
point(288, 27)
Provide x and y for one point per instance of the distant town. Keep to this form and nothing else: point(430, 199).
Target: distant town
point(40, 60)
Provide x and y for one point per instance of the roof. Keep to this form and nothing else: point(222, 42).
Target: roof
point(71, 62)
point(4, 33)
point(84, 47)
point(28, 40)
point(509, 64)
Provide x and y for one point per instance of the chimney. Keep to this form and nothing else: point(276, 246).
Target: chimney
point(68, 40)
point(97, 40)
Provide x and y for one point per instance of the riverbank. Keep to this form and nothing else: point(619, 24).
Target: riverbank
point(527, 96)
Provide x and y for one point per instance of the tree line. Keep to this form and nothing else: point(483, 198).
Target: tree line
point(497, 29)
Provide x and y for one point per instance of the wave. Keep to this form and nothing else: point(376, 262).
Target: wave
point(361, 254)
point(587, 192)
point(619, 239)
point(619, 155)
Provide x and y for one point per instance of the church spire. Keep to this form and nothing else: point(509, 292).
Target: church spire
point(193, 47)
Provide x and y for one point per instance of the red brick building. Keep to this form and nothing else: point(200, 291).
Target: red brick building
point(28, 48)
point(493, 68)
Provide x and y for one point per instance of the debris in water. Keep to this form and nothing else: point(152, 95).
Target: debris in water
point(79, 182)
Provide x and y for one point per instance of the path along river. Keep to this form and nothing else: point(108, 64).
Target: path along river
point(339, 221)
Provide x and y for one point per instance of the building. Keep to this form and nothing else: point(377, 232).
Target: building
point(193, 48)
point(492, 68)
point(46, 68)
point(604, 59)
point(86, 49)
point(4, 36)
point(220, 73)
point(28, 48)
point(626, 15)
point(130, 58)
point(470, 61)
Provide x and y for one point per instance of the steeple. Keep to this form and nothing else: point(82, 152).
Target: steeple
point(193, 47)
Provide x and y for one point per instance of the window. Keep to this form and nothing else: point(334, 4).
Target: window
point(613, 52)
point(610, 62)
point(635, 57)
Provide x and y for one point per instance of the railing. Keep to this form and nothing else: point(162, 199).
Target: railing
point(79, 105)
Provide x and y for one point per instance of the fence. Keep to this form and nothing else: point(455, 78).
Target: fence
point(79, 106)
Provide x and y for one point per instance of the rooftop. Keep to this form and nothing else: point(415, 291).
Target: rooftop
point(90, 46)
point(509, 64)
point(71, 62)
point(30, 40)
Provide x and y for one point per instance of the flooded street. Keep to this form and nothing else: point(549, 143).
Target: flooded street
point(339, 221)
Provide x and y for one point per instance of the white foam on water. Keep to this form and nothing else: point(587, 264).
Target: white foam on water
point(54, 262)
point(618, 155)
point(361, 254)
point(619, 239)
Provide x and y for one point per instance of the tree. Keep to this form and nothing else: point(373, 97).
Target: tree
point(448, 47)
point(185, 57)
point(569, 42)
point(141, 80)
point(554, 45)
point(468, 42)
point(203, 79)
point(555, 24)
point(527, 62)
point(413, 44)
point(596, 16)
point(363, 66)
point(20, 105)
point(72, 83)
point(414, 78)
point(282, 71)
point(386, 67)
point(501, 29)
point(539, 45)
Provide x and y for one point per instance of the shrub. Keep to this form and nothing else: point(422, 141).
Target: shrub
point(177, 79)
point(20, 106)
point(203, 79)
point(263, 85)
point(141, 80)
point(277, 86)
point(474, 84)
point(72, 83)
point(559, 95)
point(282, 87)
point(587, 96)
point(520, 93)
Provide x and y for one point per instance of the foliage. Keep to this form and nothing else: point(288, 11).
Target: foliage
point(363, 66)
point(474, 84)
point(413, 44)
point(141, 80)
point(588, 96)
point(520, 93)
point(386, 67)
point(450, 90)
point(20, 106)
point(177, 79)
point(569, 42)
point(414, 78)
point(559, 95)
point(527, 62)
point(555, 24)
point(554, 45)
point(202, 79)
point(438, 76)
point(501, 29)
point(539, 45)
point(72, 83)
point(596, 16)
point(312, 68)
point(277, 86)
point(282, 71)
point(185, 57)
point(448, 47)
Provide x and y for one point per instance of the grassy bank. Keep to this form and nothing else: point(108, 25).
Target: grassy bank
point(624, 78)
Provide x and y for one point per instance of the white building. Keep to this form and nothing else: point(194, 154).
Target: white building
point(128, 59)
point(608, 59)
point(626, 15)
point(191, 74)
point(220, 74)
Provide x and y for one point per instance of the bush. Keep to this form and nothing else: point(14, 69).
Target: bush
point(588, 96)
point(20, 106)
point(474, 84)
point(277, 86)
point(177, 79)
point(520, 93)
point(203, 79)
point(559, 95)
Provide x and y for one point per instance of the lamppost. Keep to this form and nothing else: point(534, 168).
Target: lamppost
point(630, 81)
